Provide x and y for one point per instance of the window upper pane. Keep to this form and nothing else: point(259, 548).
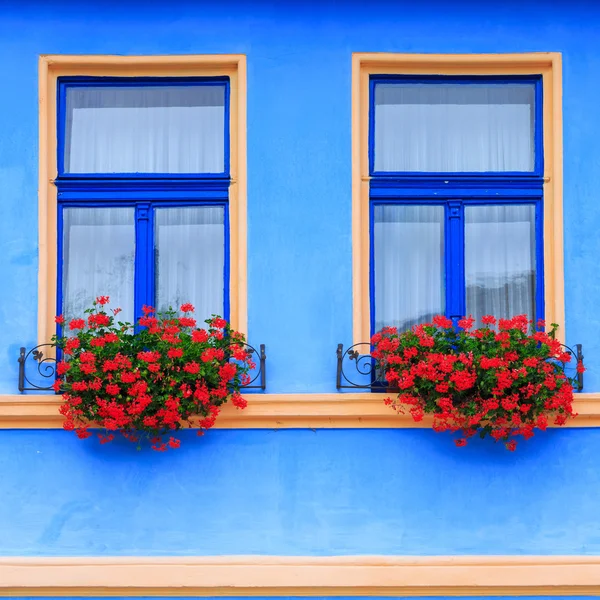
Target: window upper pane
point(145, 128)
point(454, 127)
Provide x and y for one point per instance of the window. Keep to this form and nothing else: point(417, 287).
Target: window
point(456, 188)
point(142, 174)
point(143, 179)
point(456, 198)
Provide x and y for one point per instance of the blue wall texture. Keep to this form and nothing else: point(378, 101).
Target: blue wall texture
point(297, 492)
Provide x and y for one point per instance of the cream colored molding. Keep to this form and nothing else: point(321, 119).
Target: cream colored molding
point(302, 576)
point(276, 411)
point(51, 67)
point(546, 64)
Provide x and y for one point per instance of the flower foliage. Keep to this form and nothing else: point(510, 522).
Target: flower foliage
point(146, 382)
point(504, 379)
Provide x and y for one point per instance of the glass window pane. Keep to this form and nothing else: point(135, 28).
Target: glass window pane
point(446, 127)
point(190, 258)
point(500, 260)
point(153, 129)
point(409, 264)
point(98, 259)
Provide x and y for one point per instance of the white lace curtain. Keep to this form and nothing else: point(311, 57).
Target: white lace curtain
point(189, 258)
point(99, 256)
point(500, 260)
point(144, 129)
point(454, 127)
point(409, 264)
point(98, 259)
point(153, 129)
point(451, 127)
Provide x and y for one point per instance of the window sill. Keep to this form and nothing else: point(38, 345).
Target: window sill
point(301, 576)
point(276, 411)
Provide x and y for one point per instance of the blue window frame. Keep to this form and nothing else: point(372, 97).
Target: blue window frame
point(456, 197)
point(164, 223)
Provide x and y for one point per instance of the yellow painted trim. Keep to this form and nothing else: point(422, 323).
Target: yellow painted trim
point(276, 411)
point(53, 66)
point(302, 576)
point(549, 65)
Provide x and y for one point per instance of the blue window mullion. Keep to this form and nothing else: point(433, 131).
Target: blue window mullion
point(539, 260)
point(226, 265)
point(144, 265)
point(455, 261)
point(59, 265)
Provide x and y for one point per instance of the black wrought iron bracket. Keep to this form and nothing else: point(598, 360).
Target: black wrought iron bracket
point(367, 368)
point(364, 366)
point(261, 374)
point(46, 368)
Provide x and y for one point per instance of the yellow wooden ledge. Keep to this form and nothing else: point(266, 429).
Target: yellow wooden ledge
point(275, 411)
point(302, 576)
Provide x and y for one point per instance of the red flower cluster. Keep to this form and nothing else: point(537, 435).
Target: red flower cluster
point(504, 379)
point(149, 382)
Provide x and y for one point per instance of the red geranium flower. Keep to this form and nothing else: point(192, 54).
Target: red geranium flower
point(503, 383)
point(115, 378)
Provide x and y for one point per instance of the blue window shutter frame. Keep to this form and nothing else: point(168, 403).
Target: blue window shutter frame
point(144, 191)
point(456, 190)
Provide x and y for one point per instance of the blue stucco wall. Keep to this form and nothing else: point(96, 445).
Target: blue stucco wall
point(299, 191)
point(297, 492)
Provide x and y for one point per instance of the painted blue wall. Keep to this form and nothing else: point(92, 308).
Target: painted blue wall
point(297, 492)
point(299, 192)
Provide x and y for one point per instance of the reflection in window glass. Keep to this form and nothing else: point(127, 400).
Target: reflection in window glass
point(189, 258)
point(500, 260)
point(98, 259)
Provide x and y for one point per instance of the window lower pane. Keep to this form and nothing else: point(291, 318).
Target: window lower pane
point(98, 259)
point(190, 258)
point(409, 264)
point(500, 260)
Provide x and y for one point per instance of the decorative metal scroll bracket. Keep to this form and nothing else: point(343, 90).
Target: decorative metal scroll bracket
point(261, 374)
point(578, 354)
point(365, 368)
point(372, 375)
point(46, 369)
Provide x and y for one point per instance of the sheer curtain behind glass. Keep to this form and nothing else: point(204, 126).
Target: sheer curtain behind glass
point(500, 260)
point(189, 258)
point(446, 127)
point(98, 259)
point(149, 129)
point(409, 264)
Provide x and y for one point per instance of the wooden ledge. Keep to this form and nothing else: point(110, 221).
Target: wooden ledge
point(275, 411)
point(302, 576)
